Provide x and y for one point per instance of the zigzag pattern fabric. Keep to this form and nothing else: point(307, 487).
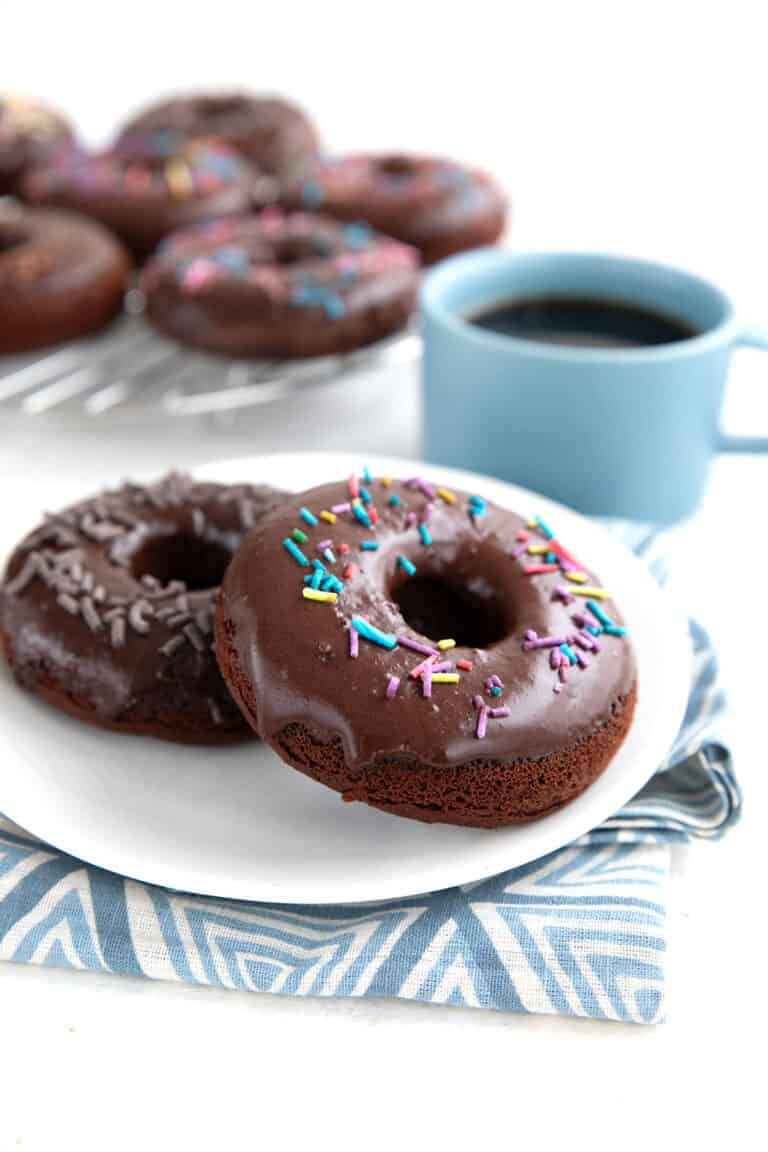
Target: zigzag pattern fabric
point(580, 932)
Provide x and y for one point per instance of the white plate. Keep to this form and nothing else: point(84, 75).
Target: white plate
point(239, 823)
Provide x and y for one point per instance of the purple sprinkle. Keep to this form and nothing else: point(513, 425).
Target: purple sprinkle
point(443, 666)
point(560, 592)
point(324, 544)
point(392, 686)
point(531, 635)
point(581, 640)
point(581, 660)
point(595, 645)
point(406, 642)
point(556, 688)
point(496, 680)
point(354, 642)
point(423, 485)
point(555, 658)
point(426, 511)
point(478, 702)
point(581, 620)
point(337, 509)
point(410, 518)
point(499, 713)
point(517, 552)
point(563, 670)
point(426, 677)
point(544, 642)
point(482, 723)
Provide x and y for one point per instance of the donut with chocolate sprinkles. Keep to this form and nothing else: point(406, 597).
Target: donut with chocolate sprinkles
point(106, 608)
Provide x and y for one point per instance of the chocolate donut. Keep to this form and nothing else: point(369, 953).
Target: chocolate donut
point(29, 133)
point(106, 609)
point(425, 652)
point(60, 277)
point(438, 206)
point(147, 186)
point(273, 134)
point(279, 285)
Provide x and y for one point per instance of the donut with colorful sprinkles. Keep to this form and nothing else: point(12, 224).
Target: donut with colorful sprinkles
point(420, 650)
point(146, 186)
point(439, 206)
point(29, 133)
point(276, 284)
point(106, 608)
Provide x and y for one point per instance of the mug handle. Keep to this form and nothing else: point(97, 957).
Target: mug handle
point(747, 338)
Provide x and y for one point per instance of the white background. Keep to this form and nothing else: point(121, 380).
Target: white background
point(629, 127)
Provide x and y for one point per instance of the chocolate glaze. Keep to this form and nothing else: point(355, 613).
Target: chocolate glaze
point(106, 608)
point(60, 277)
point(273, 134)
point(437, 205)
point(280, 285)
point(293, 658)
point(146, 186)
point(29, 133)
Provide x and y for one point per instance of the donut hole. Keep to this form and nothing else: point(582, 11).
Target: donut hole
point(472, 612)
point(295, 249)
point(396, 165)
point(199, 563)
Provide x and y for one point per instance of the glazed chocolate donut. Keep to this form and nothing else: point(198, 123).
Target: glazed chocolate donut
point(106, 610)
point(425, 652)
point(273, 134)
point(438, 206)
point(279, 285)
point(29, 133)
point(146, 186)
point(60, 277)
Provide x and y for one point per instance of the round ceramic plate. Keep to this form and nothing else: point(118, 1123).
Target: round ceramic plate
point(237, 822)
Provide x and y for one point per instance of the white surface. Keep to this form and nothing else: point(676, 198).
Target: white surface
point(636, 128)
point(235, 822)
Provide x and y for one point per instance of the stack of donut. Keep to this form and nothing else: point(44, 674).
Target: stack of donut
point(408, 645)
point(251, 241)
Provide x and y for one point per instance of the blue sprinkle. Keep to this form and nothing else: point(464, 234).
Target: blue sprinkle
point(366, 630)
point(406, 564)
point(317, 564)
point(598, 613)
point(366, 475)
point(426, 539)
point(362, 515)
point(329, 556)
point(394, 499)
point(357, 235)
point(331, 584)
point(312, 194)
point(476, 506)
point(365, 495)
point(550, 558)
point(317, 578)
point(369, 545)
point(235, 260)
point(595, 631)
point(569, 652)
point(544, 528)
point(307, 515)
point(295, 552)
point(495, 690)
point(614, 630)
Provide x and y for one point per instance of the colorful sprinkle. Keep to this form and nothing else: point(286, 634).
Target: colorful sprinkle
point(426, 679)
point(338, 509)
point(320, 597)
point(576, 577)
point(354, 642)
point(365, 495)
point(516, 553)
point(539, 569)
point(349, 571)
point(595, 593)
point(375, 635)
point(307, 516)
point(563, 672)
point(392, 686)
point(555, 658)
point(598, 613)
point(297, 554)
point(445, 678)
point(444, 645)
point(499, 713)
point(544, 528)
point(465, 665)
point(369, 545)
point(406, 565)
point(521, 535)
point(537, 549)
point(321, 544)
point(329, 555)
point(419, 669)
point(415, 646)
point(361, 515)
point(366, 473)
point(614, 630)
point(386, 481)
point(495, 690)
point(560, 592)
point(353, 486)
point(316, 579)
point(300, 536)
point(317, 564)
point(544, 642)
point(568, 652)
point(329, 517)
point(582, 660)
point(394, 500)
point(446, 495)
point(426, 539)
point(476, 506)
point(343, 548)
point(482, 723)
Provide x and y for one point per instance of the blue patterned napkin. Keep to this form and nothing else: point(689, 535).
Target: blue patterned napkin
point(580, 932)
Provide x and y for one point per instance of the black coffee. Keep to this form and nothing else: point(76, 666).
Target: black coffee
point(581, 321)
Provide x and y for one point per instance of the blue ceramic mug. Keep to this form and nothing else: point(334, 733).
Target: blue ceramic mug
point(612, 432)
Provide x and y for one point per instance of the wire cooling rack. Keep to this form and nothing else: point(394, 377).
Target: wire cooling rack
point(131, 369)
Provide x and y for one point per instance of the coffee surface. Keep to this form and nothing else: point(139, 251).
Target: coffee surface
point(581, 322)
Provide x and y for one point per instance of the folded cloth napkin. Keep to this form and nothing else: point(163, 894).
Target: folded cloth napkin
point(580, 932)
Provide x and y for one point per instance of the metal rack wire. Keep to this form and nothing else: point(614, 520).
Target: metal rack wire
point(130, 368)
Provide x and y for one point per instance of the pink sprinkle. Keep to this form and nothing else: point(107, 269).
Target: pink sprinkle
point(337, 509)
point(419, 669)
point(556, 688)
point(199, 273)
point(410, 518)
point(555, 658)
point(343, 547)
point(560, 592)
point(349, 571)
point(556, 547)
point(478, 702)
point(582, 620)
point(353, 486)
point(581, 659)
point(354, 642)
point(324, 544)
point(531, 635)
point(427, 679)
point(540, 569)
point(392, 686)
point(426, 511)
point(499, 713)
point(516, 552)
point(482, 723)
point(563, 671)
point(521, 534)
point(583, 640)
point(406, 642)
point(544, 642)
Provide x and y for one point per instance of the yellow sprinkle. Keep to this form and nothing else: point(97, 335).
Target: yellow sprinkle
point(329, 516)
point(447, 495)
point(595, 593)
point(445, 678)
point(355, 500)
point(576, 577)
point(532, 524)
point(444, 644)
point(179, 178)
point(386, 481)
point(320, 597)
point(538, 549)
